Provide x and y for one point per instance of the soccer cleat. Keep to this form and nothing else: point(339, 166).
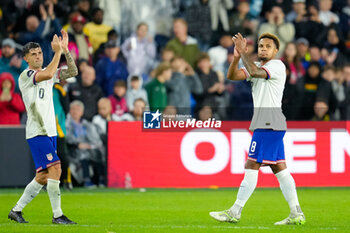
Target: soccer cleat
point(224, 216)
point(299, 220)
point(62, 220)
point(16, 216)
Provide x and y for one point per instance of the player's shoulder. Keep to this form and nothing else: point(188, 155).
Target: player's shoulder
point(277, 63)
point(27, 73)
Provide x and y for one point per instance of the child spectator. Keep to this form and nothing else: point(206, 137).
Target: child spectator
point(137, 113)
point(156, 89)
point(11, 104)
point(118, 100)
point(135, 91)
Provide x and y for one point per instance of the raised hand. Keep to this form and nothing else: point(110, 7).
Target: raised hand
point(64, 41)
point(240, 43)
point(55, 44)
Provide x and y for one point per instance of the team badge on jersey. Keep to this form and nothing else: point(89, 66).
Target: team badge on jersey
point(49, 157)
point(30, 72)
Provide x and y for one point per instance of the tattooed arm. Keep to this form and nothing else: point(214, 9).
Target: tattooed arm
point(253, 70)
point(72, 68)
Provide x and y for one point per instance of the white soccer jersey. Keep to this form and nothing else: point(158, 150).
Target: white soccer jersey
point(37, 98)
point(267, 96)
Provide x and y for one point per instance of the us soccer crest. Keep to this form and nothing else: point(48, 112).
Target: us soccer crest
point(49, 157)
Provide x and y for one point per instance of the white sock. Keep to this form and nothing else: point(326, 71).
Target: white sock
point(245, 190)
point(289, 191)
point(31, 190)
point(53, 189)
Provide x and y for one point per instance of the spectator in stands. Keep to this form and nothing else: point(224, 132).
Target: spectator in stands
point(11, 104)
point(205, 113)
point(112, 12)
point(183, 82)
point(327, 17)
point(199, 23)
point(212, 87)
point(276, 25)
point(325, 91)
point(315, 55)
point(183, 45)
point(218, 54)
point(309, 26)
point(291, 97)
point(298, 13)
point(156, 89)
point(85, 146)
point(303, 51)
point(118, 100)
point(335, 47)
point(100, 52)
point(139, 50)
point(61, 106)
point(136, 114)
point(321, 111)
point(87, 92)
point(167, 55)
point(135, 91)
point(10, 61)
point(241, 21)
point(101, 120)
point(96, 30)
point(292, 59)
point(42, 31)
point(79, 44)
point(110, 69)
point(308, 87)
point(346, 73)
point(103, 117)
point(83, 7)
point(338, 87)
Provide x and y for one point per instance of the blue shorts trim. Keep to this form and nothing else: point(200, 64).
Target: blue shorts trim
point(44, 151)
point(267, 146)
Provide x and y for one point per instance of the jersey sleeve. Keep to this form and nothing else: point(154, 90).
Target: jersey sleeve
point(275, 69)
point(247, 75)
point(27, 78)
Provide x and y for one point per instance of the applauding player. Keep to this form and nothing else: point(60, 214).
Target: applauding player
point(269, 125)
point(36, 85)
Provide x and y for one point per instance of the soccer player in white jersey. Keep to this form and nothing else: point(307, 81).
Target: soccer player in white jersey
point(36, 86)
point(269, 125)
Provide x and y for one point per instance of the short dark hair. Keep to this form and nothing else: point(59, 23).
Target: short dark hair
point(120, 83)
point(272, 37)
point(30, 45)
point(135, 78)
point(95, 10)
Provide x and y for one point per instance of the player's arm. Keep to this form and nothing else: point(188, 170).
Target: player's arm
point(50, 70)
point(233, 72)
point(72, 68)
point(253, 70)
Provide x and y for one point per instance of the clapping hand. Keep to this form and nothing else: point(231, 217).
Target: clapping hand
point(55, 44)
point(240, 43)
point(64, 41)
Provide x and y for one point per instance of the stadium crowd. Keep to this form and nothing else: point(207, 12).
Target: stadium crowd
point(172, 56)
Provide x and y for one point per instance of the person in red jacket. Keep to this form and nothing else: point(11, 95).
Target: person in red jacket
point(11, 104)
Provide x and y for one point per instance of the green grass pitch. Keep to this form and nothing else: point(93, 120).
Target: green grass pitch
point(178, 210)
